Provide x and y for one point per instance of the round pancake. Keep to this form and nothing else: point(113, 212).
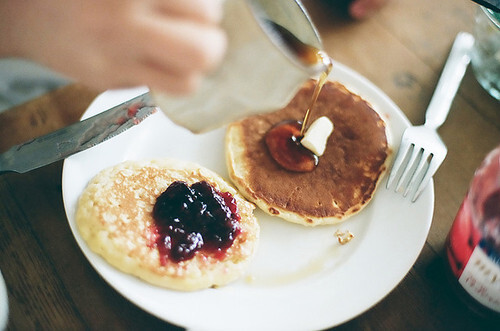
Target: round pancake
point(346, 177)
point(115, 218)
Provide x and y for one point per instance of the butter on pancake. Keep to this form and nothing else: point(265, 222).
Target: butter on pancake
point(115, 218)
point(355, 159)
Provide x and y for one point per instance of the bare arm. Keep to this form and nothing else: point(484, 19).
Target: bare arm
point(165, 44)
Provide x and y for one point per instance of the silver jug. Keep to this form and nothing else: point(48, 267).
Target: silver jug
point(260, 72)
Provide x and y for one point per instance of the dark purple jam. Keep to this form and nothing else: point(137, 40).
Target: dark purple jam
point(193, 218)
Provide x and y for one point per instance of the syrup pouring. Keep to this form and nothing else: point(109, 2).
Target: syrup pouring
point(284, 139)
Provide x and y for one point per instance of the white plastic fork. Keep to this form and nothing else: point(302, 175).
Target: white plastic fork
point(422, 151)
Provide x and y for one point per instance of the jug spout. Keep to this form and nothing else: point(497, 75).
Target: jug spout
point(268, 59)
point(288, 25)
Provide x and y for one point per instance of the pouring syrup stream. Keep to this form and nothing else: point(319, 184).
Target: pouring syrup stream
point(283, 140)
point(323, 57)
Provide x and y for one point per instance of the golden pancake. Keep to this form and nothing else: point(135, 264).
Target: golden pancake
point(346, 177)
point(115, 217)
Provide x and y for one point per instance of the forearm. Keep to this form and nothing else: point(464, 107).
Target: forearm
point(165, 44)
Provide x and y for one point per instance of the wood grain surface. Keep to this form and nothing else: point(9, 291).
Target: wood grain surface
point(402, 50)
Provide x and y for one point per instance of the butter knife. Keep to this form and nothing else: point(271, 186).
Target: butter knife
point(77, 137)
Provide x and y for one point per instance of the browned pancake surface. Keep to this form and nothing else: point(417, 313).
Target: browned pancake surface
point(346, 176)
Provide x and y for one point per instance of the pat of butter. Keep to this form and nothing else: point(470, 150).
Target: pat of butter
point(317, 134)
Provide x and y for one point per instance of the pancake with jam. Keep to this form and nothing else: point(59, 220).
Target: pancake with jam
point(346, 176)
point(172, 223)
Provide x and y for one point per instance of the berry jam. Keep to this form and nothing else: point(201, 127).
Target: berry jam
point(283, 143)
point(193, 218)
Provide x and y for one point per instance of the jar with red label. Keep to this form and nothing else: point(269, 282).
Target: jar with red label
point(473, 244)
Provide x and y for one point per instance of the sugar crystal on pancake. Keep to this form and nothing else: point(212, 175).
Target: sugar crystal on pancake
point(346, 176)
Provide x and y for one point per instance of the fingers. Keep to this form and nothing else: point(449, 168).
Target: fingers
point(169, 55)
point(179, 43)
point(361, 9)
point(158, 79)
point(127, 71)
point(169, 45)
point(182, 46)
point(204, 11)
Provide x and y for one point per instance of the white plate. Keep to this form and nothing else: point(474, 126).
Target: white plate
point(301, 277)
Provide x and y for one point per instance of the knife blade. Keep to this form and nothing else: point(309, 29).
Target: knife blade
point(77, 137)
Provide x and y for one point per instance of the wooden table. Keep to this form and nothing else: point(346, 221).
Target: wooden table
point(402, 50)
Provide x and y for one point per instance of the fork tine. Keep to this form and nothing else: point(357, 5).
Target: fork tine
point(434, 164)
point(407, 174)
point(420, 170)
point(396, 167)
point(421, 164)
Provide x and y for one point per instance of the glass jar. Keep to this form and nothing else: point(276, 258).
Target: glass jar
point(473, 244)
point(485, 57)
